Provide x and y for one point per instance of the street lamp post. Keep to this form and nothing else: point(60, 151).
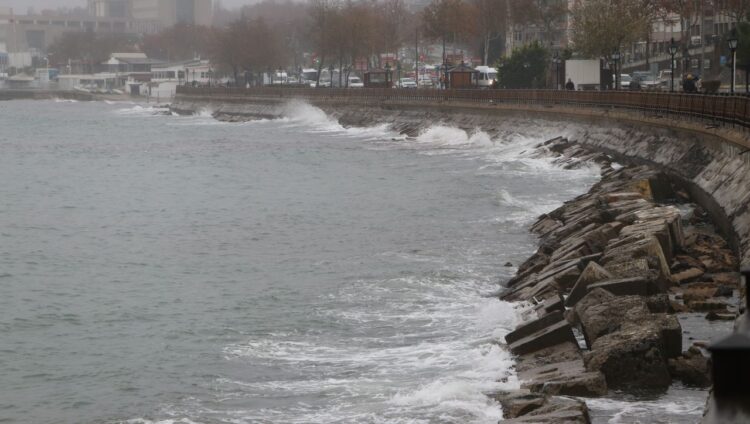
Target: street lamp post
point(615, 59)
point(556, 61)
point(526, 66)
point(446, 82)
point(672, 52)
point(733, 48)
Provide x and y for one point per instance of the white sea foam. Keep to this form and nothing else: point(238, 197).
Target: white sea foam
point(139, 110)
point(443, 135)
point(300, 113)
point(438, 368)
point(634, 411)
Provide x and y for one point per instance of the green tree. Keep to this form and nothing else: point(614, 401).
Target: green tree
point(526, 67)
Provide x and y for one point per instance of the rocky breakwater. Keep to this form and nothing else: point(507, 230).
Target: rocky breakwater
point(613, 268)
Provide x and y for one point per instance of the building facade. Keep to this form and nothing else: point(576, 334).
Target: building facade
point(166, 12)
point(34, 33)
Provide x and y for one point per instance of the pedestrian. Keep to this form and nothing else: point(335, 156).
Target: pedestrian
point(688, 86)
point(569, 85)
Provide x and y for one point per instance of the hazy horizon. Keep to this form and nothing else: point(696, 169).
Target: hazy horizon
point(21, 6)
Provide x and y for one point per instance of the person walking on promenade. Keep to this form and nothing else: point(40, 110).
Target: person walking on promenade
point(569, 85)
point(688, 86)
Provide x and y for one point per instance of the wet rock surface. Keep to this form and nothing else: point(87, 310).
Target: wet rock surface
point(616, 265)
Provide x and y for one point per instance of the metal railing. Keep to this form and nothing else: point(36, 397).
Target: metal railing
point(734, 110)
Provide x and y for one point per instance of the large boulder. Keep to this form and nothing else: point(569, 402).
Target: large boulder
point(522, 406)
point(551, 335)
point(692, 368)
point(564, 378)
point(601, 312)
point(633, 248)
point(593, 273)
point(632, 357)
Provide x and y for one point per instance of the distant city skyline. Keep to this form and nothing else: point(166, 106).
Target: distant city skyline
point(21, 6)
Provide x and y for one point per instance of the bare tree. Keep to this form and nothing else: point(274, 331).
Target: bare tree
point(736, 10)
point(180, 42)
point(601, 27)
point(491, 17)
point(446, 20)
point(321, 15)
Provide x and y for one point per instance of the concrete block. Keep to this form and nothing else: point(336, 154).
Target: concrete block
point(533, 326)
point(593, 273)
point(554, 334)
point(627, 286)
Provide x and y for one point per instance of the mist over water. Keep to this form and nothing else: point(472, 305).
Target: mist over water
point(171, 269)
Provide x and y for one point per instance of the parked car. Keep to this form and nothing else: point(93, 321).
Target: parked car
point(407, 83)
point(665, 80)
point(355, 82)
point(425, 81)
point(647, 80)
point(487, 76)
point(624, 81)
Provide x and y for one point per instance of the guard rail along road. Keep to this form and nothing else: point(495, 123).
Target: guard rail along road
point(732, 110)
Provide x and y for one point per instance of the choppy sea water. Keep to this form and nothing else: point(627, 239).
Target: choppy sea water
point(164, 269)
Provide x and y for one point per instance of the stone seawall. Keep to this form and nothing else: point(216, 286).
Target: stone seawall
point(616, 264)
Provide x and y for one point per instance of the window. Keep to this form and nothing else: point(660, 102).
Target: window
point(35, 39)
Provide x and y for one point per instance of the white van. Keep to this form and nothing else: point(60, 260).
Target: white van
point(487, 76)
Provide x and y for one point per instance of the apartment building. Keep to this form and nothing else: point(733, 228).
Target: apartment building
point(166, 12)
point(24, 33)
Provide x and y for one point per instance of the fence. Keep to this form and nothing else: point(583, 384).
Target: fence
point(734, 110)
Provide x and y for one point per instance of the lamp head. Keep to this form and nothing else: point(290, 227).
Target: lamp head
point(732, 41)
point(672, 47)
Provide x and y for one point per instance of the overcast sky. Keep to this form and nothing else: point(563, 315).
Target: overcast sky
point(20, 6)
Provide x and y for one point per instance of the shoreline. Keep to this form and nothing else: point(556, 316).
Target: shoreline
point(704, 166)
point(641, 288)
point(657, 229)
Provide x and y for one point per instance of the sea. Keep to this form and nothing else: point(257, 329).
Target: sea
point(162, 269)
